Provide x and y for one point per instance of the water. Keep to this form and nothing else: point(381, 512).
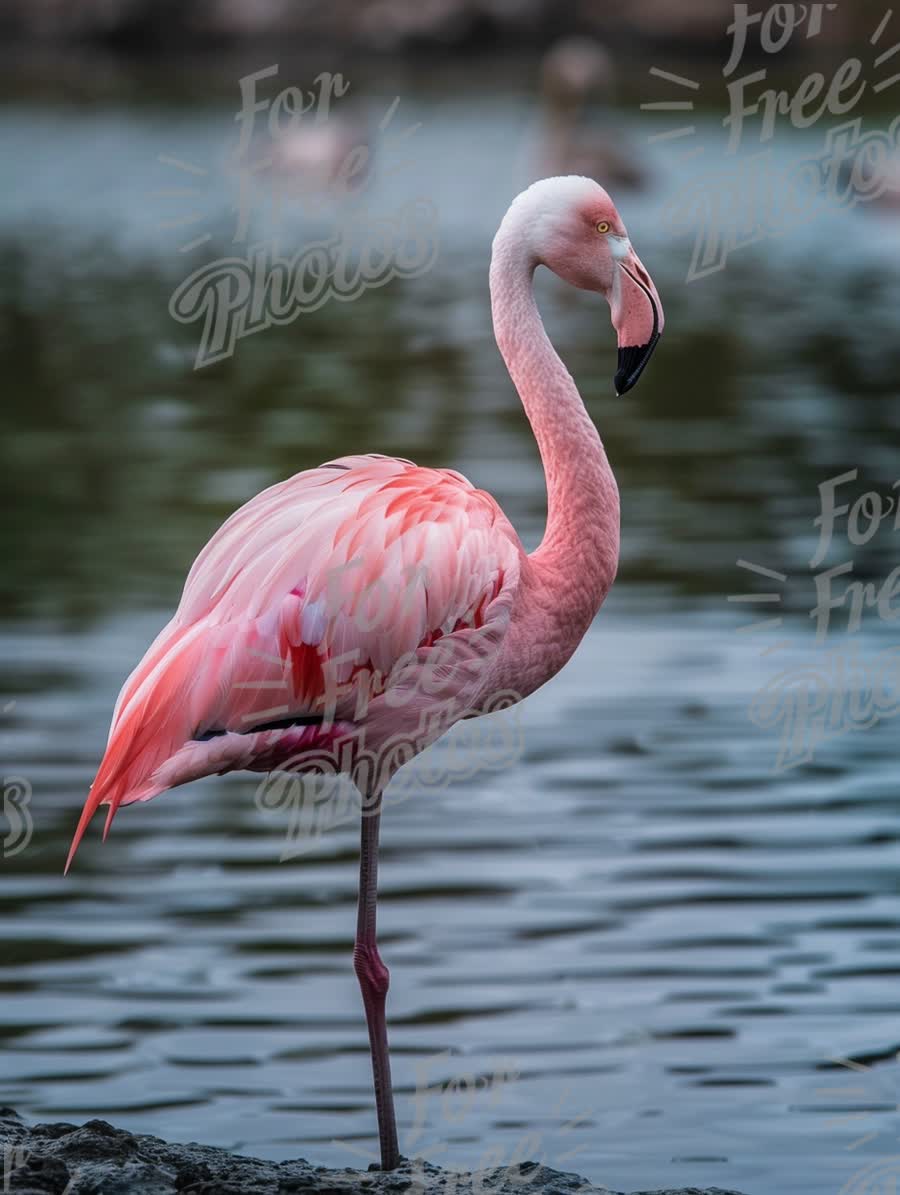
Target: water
point(639, 950)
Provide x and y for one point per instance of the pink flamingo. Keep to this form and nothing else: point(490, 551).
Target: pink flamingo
point(283, 652)
point(574, 72)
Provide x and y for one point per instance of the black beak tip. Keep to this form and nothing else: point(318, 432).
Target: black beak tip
point(632, 361)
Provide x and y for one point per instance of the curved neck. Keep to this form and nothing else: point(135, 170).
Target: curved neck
point(579, 553)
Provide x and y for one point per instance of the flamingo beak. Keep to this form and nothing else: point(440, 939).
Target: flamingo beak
point(637, 314)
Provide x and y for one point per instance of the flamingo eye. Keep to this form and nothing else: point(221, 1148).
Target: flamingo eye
point(603, 226)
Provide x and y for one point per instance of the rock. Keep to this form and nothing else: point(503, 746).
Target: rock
point(99, 1159)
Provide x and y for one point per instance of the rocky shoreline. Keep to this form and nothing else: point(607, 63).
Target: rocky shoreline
point(98, 1159)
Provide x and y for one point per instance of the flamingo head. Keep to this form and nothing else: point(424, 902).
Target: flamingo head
point(575, 230)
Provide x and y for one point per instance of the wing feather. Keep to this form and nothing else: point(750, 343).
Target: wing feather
point(317, 588)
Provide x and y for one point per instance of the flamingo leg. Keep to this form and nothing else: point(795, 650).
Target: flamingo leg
point(374, 979)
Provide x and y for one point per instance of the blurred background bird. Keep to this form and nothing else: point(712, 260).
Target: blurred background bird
point(578, 131)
